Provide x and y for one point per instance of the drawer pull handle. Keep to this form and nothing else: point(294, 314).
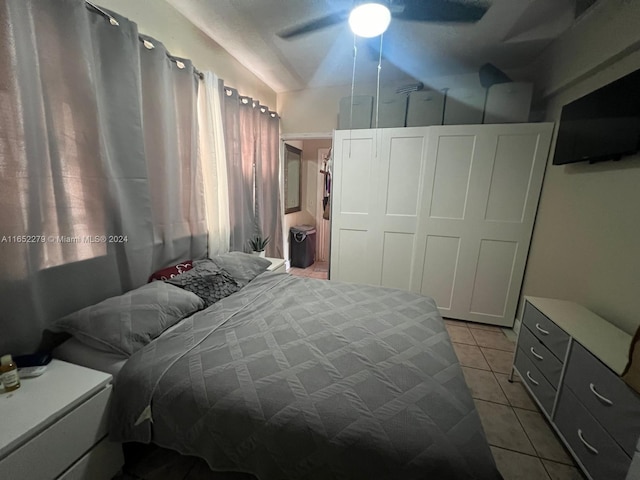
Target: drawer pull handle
point(542, 330)
point(537, 355)
point(586, 444)
point(604, 399)
point(532, 380)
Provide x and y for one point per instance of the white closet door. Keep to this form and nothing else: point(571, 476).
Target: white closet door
point(375, 204)
point(482, 185)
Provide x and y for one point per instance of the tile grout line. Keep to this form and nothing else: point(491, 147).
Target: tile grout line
point(527, 434)
point(510, 403)
point(537, 455)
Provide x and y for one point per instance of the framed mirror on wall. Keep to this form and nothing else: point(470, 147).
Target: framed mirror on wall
point(292, 179)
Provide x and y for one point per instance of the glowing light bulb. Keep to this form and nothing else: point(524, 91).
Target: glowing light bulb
point(369, 19)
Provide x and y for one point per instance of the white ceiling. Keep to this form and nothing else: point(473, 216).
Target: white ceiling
point(510, 35)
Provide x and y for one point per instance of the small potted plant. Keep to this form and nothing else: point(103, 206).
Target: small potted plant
point(258, 244)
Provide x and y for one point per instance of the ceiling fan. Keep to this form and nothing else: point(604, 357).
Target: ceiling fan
point(457, 11)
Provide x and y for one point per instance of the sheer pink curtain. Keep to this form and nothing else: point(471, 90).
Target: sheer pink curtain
point(214, 163)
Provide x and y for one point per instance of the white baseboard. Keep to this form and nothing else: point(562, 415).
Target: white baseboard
point(516, 326)
point(512, 333)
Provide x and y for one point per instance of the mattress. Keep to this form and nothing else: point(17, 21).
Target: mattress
point(79, 353)
point(74, 351)
point(297, 378)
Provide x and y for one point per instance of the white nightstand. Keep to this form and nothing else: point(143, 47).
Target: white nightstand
point(55, 426)
point(277, 265)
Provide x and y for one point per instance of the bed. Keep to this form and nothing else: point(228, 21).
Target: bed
point(298, 378)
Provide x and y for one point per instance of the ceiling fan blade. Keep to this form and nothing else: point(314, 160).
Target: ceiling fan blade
point(442, 11)
point(316, 24)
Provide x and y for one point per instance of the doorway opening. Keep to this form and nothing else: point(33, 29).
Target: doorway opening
point(315, 185)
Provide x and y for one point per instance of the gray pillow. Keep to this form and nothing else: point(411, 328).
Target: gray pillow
point(126, 323)
point(207, 281)
point(243, 267)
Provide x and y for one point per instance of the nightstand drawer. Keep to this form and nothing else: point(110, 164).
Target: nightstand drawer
point(554, 338)
point(540, 355)
point(542, 390)
point(100, 463)
point(605, 395)
point(51, 452)
point(598, 452)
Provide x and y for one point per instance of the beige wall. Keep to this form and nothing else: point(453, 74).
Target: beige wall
point(586, 241)
point(161, 21)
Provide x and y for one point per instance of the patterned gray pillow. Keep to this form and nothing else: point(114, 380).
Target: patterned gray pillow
point(243, 267)
point(207, 281)
point(126, 323)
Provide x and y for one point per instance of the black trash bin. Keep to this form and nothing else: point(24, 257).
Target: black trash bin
point(302, 245)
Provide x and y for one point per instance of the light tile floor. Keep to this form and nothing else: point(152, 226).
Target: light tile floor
point(524, 446)
point(317, 270)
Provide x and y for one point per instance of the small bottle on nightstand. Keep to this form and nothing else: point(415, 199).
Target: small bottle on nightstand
point(9, 373)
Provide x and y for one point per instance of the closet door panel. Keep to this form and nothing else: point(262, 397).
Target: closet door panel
point(511, 178)
point(397, 258)
point(357, 176)
point(449, 186)
point(449, 208)
point(503, 230)
point(402, 154)
point(493, 276)
point(403, 175)
point(353, 202)
point(377, 178)
point(495, 172)
point(352, 250)
point(442, 254)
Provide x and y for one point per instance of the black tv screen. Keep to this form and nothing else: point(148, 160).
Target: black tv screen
point(603, 125)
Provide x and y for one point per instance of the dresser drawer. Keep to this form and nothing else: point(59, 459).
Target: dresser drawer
point(554, 338)
point(51, 452)
point(598, 452)
point(540, 355)
point(102, 462)
point(540, 387)
point(605, 395)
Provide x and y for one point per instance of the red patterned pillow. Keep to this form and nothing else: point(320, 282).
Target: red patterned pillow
point(170, 272)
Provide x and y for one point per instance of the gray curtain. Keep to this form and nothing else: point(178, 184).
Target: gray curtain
point(252, 135)
point(268, 180)
point(169, 99)
point(81, 216)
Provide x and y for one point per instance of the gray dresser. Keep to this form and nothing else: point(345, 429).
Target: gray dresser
point(571, 360)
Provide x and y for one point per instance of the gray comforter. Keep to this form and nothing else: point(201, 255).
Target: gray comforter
point(293, 378)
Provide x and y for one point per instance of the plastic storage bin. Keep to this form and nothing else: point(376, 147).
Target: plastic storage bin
point(362, 109)
point(302, 245)
point(508, 103)
point(425, 108)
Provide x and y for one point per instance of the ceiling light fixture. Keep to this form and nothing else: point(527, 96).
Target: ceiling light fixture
point(369, 19)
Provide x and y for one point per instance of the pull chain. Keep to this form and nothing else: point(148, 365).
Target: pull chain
point(378, 80)
point(353, 85)
point(378, 93)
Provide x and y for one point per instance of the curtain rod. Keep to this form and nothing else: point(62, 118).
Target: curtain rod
point(146, 43)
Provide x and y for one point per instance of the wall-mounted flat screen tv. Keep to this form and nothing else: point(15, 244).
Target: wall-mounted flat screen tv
point(602, 125)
